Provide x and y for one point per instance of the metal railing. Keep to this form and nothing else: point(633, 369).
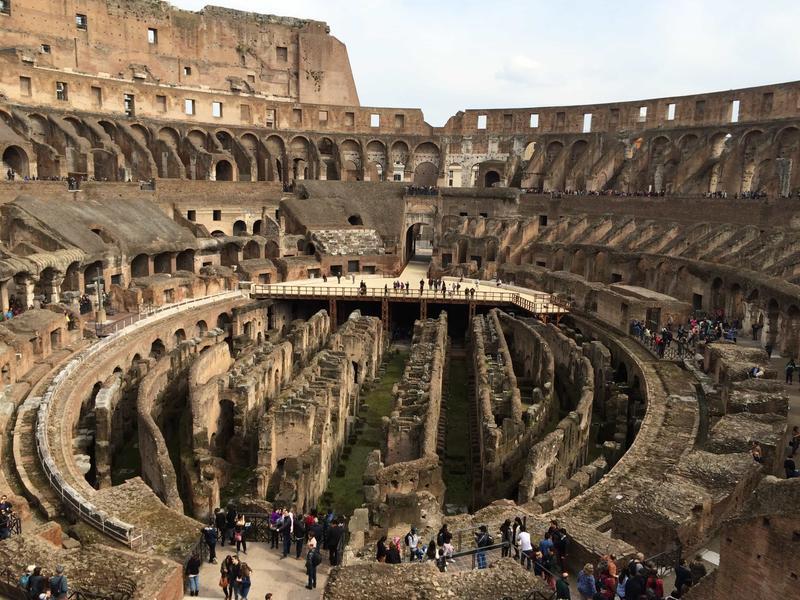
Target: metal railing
point(533, 302)
point(124, 588)
point(124, 533)
point(13, 523)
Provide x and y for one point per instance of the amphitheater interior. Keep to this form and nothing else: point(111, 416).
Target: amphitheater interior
point(202, 233)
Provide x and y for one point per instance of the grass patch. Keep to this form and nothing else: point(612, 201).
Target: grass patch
point(457, 472)
point(345, 493)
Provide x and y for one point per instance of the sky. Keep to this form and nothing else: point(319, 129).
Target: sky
point(448, 55)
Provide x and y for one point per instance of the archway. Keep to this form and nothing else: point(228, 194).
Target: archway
point(140, 266)
point(16, 159)
point(355, 220)
point(202, 328)
point(239, 228)
point(426, 174)
point(179, 336)
point(163, 263)
point(157, 349)
point(223, 171)
point(258, 227)
point(251, 250)
point(491, 179)
point(185, 261)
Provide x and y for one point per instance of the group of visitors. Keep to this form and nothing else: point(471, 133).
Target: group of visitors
point(439, 549)
point(684, 338)
point(288, 532)
point(422, 190)
point(789, 465)
point(38, 586)
point(638, 580)
point(755, 195)
point(7, 518)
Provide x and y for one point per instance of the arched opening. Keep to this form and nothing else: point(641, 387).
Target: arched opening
point(185, 261)
point(224, 323)
point(202, 328)
point(717, 301)
point(239, 228)
point(217, 233)
point(773, 313)
point(15, 159)
point(230, 255)
point(157, 349)
point(491, 179)
point(258, 227)
point(179, 336)
point(310, 249)
point(791, 332)
point(413, 235)
point(251, 250)
point(140, 266)
point(350, 171)
point(163, 263)
point(271, 250)
point(223, 171)
point(426, 174)
point(355, 220)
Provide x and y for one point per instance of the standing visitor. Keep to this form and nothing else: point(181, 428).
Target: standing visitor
point(193, 574)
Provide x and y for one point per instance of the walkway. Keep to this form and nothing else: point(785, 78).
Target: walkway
point(285, 578)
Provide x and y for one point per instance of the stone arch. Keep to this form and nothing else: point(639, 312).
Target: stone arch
point(157, 349)
point(223, 170)
point(185, 260)
point(198, 138)
point(169, 135)
point(276, 149)
point(201, 327)
point(251, 250)
point(578, 266)
point(773, 315)
point(377, 161)
point(179, 336)
point(225, 139)
point(791, 332)
point(140, 266)
point(491, 178)
point(16, 159)
point(239, 227)
point(162, 262)
point(355, 219)
point(426, 174)
point(229, 255)
point(272, 250)
point(141, 133)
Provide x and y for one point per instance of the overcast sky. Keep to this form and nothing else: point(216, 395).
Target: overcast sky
point(447, 55)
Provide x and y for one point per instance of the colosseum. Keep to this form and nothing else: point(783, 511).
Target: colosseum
point(229, 290)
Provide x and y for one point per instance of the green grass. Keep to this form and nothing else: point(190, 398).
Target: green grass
point(457, 473)
point(345, 493)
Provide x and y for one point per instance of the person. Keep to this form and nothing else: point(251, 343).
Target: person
point(482, 540)
point(230, 523)
point(233, 578)
point(654, 583)
point(287, 531)
point(393, 553)
point(381, 549)
point(790, 369)
point(795, 441)
point(441, 561)
point(220, 521)
point(193, 574)
point(333, 541)
point(790, 468)
point(313, 559)
point(562, 587)
point(58, 584)
point(430, 550)
point(210, 538)
point(412, 543)
point(621, 582)
point(514, 532)
point(755, 451)
point(756, 372)
point(267, 596)
point(244, 581)
point(36, 583)
point(608, 585)
point(683, 575)
point(23, 580)
point(299, 535)
point(525, 547)
point(506, 536)
point(697, 569)
point(224, 573)
point(240, 534)
point(586, 582)
point(546, 546)
point(634, 586)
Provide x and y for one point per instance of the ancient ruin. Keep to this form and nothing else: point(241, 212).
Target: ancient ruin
point(210, 253)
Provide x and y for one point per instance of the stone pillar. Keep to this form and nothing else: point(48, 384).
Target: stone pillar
point(25, 287)
point(4, 295)
point(52, 289)
point(173, 262)
point(151, 265)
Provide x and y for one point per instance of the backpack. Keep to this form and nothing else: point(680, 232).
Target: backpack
point(56, 583)
point(408, 539)
point(23, 581)
point(316, 558)
point(440, 539)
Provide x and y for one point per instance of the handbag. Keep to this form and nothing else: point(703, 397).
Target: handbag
point(223, 581)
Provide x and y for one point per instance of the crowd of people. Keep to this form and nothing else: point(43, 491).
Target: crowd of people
point(291, 534)
point(38, 586)
point(15, 308)
point(684, 338)
point(422, 190)
point(755, 195)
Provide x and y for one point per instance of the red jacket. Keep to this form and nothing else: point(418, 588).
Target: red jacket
point(609, 586)
point(656, 584)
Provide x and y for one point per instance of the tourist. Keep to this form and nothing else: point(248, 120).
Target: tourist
point(233, 578)
point(562, 587)
point(36, 583)
point(210, 534)
point(621, 583)
point(697, 569)
point(634, 586)
point(381, 549)
point(790, 468)
point(586, 582)
point(507, 537)
point(430, 550)
point(482, 540)
point(525, 547)
point(240, 534)
point(193, 574)
point(441, 561)
point(313, 559)
point(25, 577)
point(654, 583)
point(755, 451)
point(683, 576)
point(333, 541)
point(244, 581)
point(58, 584)
point(393, 556)
point(230, 523)
point(226, 576)
point(790, 369)
point(562, 545)
point(287, 531)
point(412, 544)
point(315, 529)
point(794, 443)
point(546, 545)
point(274, 517)
point(608, 585)
point(220, 521)
point(299, 535)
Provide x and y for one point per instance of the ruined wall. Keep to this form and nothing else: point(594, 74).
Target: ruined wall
point(412, 428)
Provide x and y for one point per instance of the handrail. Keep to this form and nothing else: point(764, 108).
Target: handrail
point(9, 585)
point(124, 533)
